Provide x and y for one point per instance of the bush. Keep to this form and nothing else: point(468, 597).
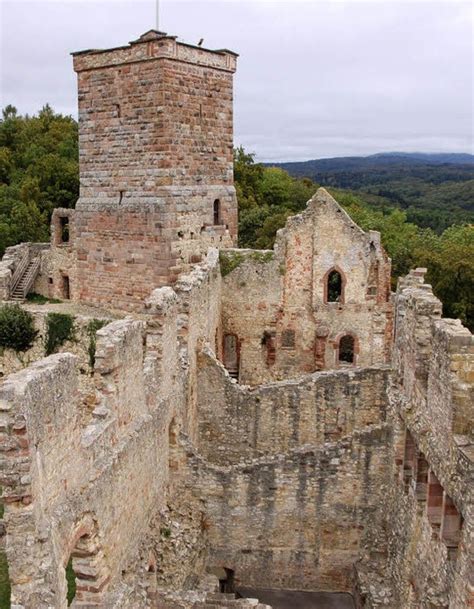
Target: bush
point(92, 327)
point(17, 330)
point(59, 329)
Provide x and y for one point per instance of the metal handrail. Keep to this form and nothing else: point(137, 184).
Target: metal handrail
point(30, 277)
point(20, 269)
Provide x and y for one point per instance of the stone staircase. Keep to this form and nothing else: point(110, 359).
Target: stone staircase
point(24, 279)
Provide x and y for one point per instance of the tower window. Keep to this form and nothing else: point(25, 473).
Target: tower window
point(346, 349)
point(64, 229)
point(217, 212)
point(334, 287)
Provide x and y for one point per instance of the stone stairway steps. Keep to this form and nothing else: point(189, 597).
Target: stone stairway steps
point(26, 281)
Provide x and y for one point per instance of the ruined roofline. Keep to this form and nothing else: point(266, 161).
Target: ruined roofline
point(154, 45)
point(321, 197)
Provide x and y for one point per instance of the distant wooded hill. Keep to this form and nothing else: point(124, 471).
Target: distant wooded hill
point(435, 190)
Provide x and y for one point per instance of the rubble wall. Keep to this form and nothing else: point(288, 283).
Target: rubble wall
point(429, 507)
point(238, 423)
point(293, 520)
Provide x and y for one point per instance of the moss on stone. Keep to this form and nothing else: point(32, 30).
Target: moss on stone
point(229, 261)
point(261, 257)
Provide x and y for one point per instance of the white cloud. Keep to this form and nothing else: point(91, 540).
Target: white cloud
point(315, 78)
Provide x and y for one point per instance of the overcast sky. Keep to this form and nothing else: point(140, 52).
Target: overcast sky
point(315, 78)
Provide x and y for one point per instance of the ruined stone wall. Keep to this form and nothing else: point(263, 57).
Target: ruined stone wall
point(278, 307)
point(66, 483)
point(199, 324)
point(429, 508)
point(237, 423)
point(293, 520)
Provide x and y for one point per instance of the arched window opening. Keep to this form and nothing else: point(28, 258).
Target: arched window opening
point(346, 349)
point(217, 212)
point(334, 287)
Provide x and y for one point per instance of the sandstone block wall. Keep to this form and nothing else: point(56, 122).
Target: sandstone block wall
point(238, 423)
point(155, 135)
point(277, 305)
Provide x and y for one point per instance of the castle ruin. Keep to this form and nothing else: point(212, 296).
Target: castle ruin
point(251, 420)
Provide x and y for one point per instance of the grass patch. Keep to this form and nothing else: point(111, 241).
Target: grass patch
point(59, 329)
point(40, 299)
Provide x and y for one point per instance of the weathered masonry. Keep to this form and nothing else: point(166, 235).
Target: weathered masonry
point(243, 419)
point(156, 186)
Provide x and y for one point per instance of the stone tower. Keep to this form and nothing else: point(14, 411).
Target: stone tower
point(156, 173)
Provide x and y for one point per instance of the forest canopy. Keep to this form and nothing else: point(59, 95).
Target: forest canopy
point(39, 171)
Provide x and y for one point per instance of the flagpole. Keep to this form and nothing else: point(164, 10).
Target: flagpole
point(158, 15)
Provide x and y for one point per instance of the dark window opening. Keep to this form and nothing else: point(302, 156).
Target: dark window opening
point(334, 287)
point(346, 349)
point(288, 339)
point(409, 460)
point(64, 229)
point(217, 212)
point(268, 341)
point(231, 355)
point(227, 585)
point(434, 503)
point(71, 582)
point(422, 469)
point(65, 288)
point(451, 526)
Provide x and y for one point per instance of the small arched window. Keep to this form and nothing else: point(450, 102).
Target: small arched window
point(217, 212)
point(346, 349)
point(334, 287)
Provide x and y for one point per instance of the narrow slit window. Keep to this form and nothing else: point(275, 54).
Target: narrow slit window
point(64, 229)
point(217, 212)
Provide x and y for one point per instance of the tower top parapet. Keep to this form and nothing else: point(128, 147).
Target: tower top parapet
point(154, 44)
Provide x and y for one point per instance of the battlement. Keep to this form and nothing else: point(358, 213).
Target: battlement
point(155, 45)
